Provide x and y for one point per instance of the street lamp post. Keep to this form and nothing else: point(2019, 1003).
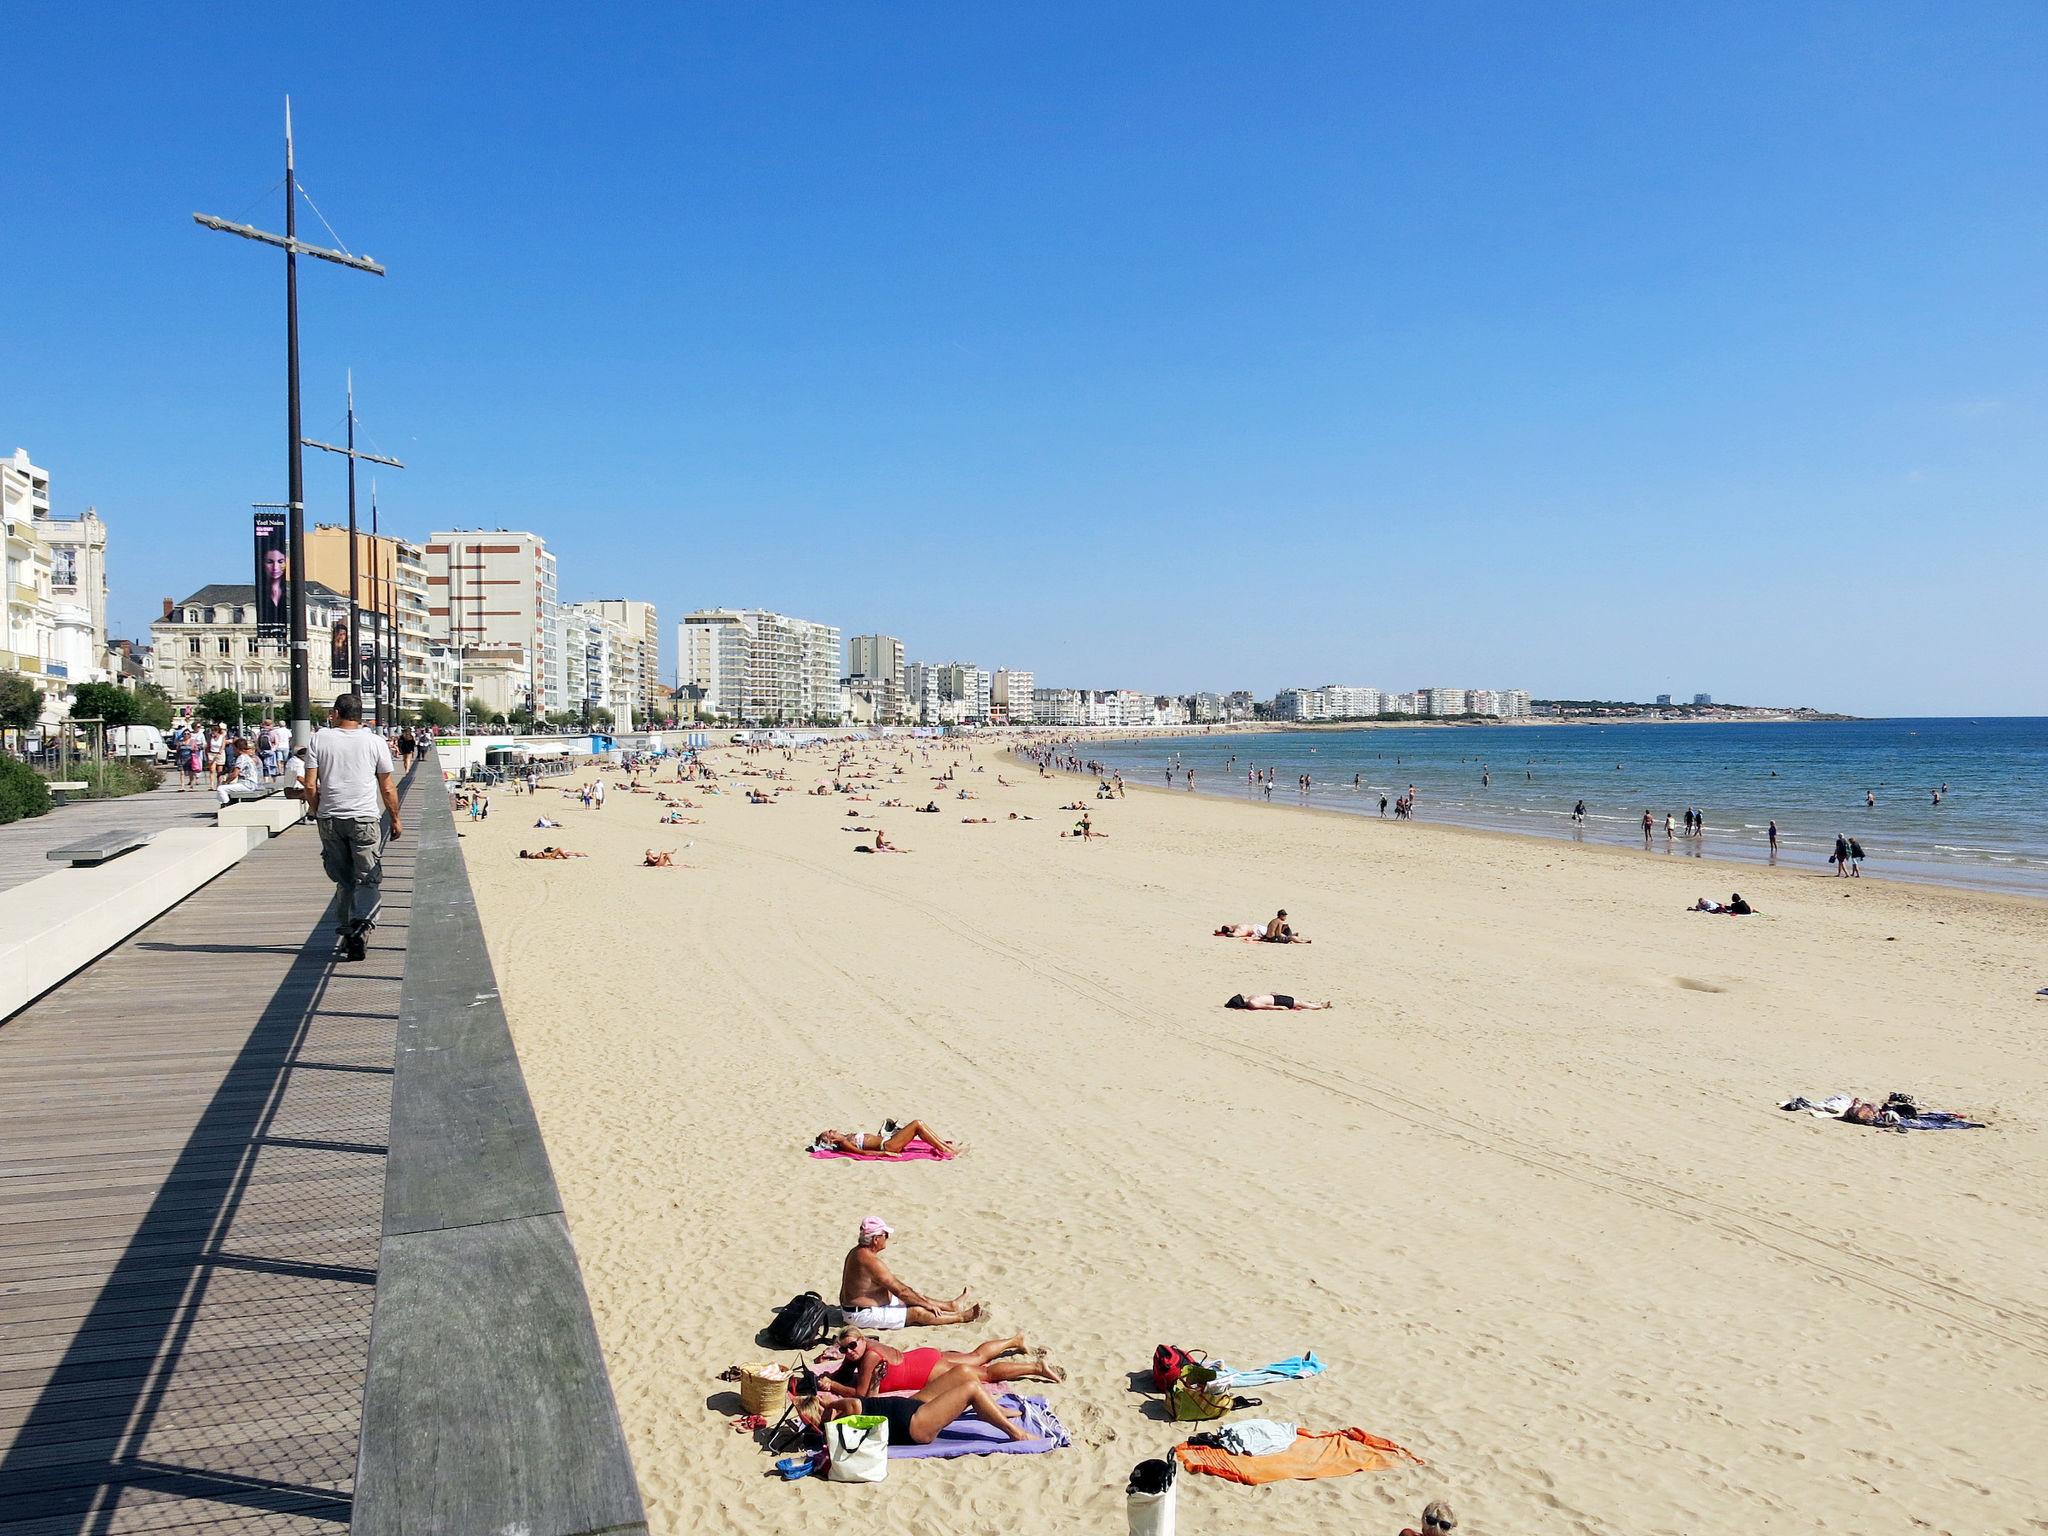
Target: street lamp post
point(293, 248)
point(355, 642)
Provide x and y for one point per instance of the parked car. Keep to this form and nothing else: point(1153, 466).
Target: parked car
point(144, 741)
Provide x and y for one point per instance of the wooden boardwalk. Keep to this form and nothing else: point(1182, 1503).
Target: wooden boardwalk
point(192, 1168)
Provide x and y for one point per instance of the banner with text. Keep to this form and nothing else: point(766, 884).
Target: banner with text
point(273, 576)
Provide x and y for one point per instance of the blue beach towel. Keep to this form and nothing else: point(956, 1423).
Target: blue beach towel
point(1305, 1364)
point(971, 1437)
point(1939, 1120)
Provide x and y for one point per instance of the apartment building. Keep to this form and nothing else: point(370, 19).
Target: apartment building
point(391, 578)
point(643, 632)
point(497, 588)
point(1010, 697)
point(208, 642)
point(762, 668)
point(878, 661)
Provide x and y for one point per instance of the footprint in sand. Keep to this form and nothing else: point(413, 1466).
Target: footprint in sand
point(1692, 985)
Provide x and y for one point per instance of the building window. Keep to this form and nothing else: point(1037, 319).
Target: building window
point(191, 615)
point(241, 615)
point(192, 644)
point(64, 566)
point(224, 642)
point(254, 645)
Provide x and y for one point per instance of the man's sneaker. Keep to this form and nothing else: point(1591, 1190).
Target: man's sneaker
point(354, 947)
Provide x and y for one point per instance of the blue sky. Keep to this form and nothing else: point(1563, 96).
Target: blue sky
point(1599, 349)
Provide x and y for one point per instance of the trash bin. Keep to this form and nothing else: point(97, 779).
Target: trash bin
point(1148, 1499)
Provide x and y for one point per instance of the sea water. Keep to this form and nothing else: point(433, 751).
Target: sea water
point(1989, 831)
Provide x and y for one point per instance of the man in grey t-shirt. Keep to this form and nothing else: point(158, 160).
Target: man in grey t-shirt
point(348, 784)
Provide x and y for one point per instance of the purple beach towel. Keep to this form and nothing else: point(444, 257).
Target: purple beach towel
point(972, 1437)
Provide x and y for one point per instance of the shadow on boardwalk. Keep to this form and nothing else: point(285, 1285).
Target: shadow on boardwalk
point(205, 1162)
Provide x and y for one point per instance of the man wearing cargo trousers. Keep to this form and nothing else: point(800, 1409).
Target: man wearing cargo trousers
point(348, 774)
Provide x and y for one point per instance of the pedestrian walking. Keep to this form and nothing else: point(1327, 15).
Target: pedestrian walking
point(348, 774)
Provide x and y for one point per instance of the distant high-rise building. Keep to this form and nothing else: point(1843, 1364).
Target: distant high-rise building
point(878, 659)
point(1010, 697)
point(496, 589)
point(762, 668)
point(1703, 698)
point(1663, 701)
point(643, 630)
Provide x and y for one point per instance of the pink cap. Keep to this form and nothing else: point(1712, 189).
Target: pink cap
point(874, 1226)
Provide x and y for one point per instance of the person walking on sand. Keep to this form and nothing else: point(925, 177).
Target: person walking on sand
point(1855, 859)
point(1774, 838)
point(348, 774)
point(1840, 857)
point(1647, 825)
point(874, 1298)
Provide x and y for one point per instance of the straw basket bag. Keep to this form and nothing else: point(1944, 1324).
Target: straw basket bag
point(764, 1389)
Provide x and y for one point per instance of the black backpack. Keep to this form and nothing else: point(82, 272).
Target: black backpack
point(802, 1322)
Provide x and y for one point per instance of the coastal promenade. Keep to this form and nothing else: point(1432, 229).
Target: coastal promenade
point(192, 1164)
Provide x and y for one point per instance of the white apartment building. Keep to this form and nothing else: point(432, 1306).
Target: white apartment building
point(762, 668)
point(1010, 699)
point(1059, 706)
point(643, 630)
point(920, 693)
point(601, 660)
point(497, 588)
point(966, 688)
point(1439, 703)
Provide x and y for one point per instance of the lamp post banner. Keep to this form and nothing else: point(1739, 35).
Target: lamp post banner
point(273, 576)
point(338, 647)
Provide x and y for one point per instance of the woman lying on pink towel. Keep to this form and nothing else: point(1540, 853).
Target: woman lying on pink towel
point(892, 1140)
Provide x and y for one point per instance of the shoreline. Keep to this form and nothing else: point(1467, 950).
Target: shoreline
point(1598, 846)
point(1901, 870)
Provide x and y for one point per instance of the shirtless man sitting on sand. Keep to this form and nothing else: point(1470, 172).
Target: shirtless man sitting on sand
point(874, 1298)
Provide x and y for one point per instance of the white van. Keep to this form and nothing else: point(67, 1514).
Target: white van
point(137, 741)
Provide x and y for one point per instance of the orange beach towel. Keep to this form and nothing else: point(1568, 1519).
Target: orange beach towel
point(1335, 1454)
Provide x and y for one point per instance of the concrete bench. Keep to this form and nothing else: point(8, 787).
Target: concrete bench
point(102, 846)
point(62, 791)
point(268, 810)
point(67, 919)
point(244, 792)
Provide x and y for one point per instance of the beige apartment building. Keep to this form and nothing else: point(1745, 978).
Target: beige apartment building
point(495, 589)
point(391, 575)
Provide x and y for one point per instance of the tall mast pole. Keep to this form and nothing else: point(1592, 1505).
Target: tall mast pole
point(302, 689)
point(355, 643)
point(376, 598)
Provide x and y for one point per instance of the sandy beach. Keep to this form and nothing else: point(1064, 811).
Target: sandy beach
point(1526, 1188)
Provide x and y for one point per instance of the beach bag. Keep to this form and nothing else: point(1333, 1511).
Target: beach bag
point(1149, 1498)
point(858, 1448)
point(1193, 1398)
point(1168, 1361)
point(799, 1323)
point(764, 1389)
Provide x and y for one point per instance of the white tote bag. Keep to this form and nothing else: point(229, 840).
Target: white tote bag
point(859, 1449)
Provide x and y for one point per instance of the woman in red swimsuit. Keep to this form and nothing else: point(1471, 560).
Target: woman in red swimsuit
point(869, 1366)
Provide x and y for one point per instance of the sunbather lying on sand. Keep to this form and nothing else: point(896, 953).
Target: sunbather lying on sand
point(552, 853)
point(868, 1365)
point(663, 860)
point(1274, 1002)
point(1240, 931)
point(912, 1420)
point(1734, 906)
point(874, 1298)
point(892, 1140)
point(544, 822)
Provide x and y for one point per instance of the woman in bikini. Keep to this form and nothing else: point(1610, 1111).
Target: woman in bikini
point(868, 1366)
point(892, 1140)
point(912, 1420)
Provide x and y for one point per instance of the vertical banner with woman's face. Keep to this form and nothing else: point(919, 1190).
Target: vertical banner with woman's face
point(273, 576)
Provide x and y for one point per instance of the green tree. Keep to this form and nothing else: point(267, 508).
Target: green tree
point(432, 712)
point(601, 718)
point(223, 706)
point(497, 722)
point(21, 703)
point(522, 717)
point(152, 706)
point(104, 701)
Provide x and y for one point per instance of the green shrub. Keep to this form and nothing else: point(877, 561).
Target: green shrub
point(112, 779)
point(22, 791)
